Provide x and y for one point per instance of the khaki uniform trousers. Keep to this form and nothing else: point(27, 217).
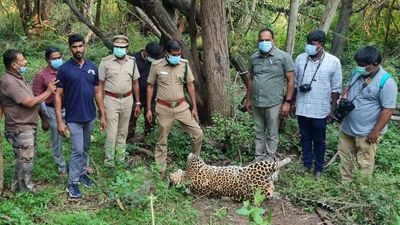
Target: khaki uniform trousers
point(118, 112)
point(356, 151)
point(165, 119)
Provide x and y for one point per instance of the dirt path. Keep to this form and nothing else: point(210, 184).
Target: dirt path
point(223, 212)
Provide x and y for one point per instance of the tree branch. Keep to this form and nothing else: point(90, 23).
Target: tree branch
point(99, 33)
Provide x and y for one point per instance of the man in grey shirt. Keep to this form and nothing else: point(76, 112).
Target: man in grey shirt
point(373, 93)
point(271, 68)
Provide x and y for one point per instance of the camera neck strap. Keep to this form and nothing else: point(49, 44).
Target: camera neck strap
point(315, 73)
point(364, 85)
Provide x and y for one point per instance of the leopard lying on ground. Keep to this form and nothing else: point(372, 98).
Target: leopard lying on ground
point(236, 182)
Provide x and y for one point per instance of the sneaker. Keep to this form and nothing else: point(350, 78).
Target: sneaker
point(73, 191)
point(85, 180)
point(317, 175)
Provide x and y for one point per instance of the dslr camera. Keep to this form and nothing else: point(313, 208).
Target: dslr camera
point(345, 106)
point(305, 88)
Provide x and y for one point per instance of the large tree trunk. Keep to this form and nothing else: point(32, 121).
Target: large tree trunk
point(291, 30)
point(216, 58)
point(342, 27)
point(330, 11)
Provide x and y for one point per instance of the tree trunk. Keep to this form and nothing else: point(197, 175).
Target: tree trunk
point(329, 13)
point(291, 30)
point(216, 57)
point(97, 21)
point(34, 15)
point(342, 27)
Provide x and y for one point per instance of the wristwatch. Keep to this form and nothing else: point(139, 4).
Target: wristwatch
point(138, 103)
point(288, 100)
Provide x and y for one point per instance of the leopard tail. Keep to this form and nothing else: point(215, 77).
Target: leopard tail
point(282, 163)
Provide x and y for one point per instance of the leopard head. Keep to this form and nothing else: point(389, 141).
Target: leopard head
point(177, 177)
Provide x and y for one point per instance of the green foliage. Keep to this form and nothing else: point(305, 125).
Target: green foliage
point(255, 213)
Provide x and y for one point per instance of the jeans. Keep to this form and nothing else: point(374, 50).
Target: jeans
point(313, 141)
point(80, 140)
point(56, 139)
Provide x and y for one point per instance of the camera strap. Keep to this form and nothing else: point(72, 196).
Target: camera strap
point(315, 73)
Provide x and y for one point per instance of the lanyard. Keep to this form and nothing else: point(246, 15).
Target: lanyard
point(364, 85)
point(315, 73)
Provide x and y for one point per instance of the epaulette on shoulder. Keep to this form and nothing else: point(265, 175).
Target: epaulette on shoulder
point(107, 58)
point(131, 57)
point(155, 62)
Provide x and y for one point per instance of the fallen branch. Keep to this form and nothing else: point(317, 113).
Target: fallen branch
point(323, 217)
point(333, 159)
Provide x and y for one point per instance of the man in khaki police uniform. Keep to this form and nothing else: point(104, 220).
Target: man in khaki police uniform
point(170, 74)
point(118, 76)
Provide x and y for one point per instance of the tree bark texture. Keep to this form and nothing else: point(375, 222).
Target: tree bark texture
point(216, 57)
point(330, 11)
point(33, 15)
point(339, 37)
point(291, 30)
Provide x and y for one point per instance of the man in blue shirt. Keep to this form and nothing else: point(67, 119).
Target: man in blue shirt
point(78, 85)
point(373, 93)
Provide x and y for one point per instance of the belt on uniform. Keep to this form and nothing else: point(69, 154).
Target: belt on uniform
point(171, 104)
point(116, 95)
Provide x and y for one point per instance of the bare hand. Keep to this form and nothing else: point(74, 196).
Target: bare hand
point(62, 129)
point(51, 87)
point(149, 116)
point(137, 111)
point(285, 109)
point(45, 125)
point(103, 122)
point(249, 106)
point(373, 137)
point(195, 115)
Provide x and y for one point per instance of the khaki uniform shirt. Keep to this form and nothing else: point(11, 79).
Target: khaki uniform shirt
point(269, 76)
point(118, 76)
point(170, 79)
point(13, 91)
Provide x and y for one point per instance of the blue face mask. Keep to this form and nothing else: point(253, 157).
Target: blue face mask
point(22, 70)
point(174, 60)
point(119, 52)
point(149, 59)
point(265, 46)
point(361, 70)
point(56, 63)
point(311, 49)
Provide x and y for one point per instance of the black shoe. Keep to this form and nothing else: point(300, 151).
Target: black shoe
point(73, 191)
point(85, 180)
point(317, 175)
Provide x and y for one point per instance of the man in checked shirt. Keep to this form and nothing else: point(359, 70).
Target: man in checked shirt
point(319, 83)
point(54, 60)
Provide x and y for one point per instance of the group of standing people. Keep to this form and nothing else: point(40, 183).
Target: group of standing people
point(64, 95)
point(313, 91)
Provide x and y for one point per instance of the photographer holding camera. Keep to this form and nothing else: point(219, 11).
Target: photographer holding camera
point(373, 94)
point(318, 82)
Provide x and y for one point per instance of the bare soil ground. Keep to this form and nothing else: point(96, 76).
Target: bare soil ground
point(223, 211)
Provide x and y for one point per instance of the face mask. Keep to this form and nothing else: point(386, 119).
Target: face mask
point(149, 59)
point(119, 52)
point(22, 69)
point(174, 60)
point(311, 49)
point(56, 63)
point(361, 70)
point(265, 46)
